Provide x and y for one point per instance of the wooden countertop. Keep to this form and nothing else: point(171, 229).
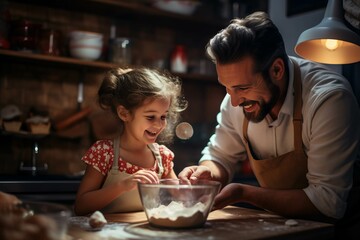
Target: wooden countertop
point(228, 223)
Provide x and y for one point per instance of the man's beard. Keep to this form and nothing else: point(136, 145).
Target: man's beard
point(265, 107)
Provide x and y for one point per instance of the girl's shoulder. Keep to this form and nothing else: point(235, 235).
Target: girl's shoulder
point(166, 155)
point(105, 144)
point(162, 149)
point(100, 155)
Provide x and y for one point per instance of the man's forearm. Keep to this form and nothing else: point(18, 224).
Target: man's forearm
point(291, 203)
point(218, 172)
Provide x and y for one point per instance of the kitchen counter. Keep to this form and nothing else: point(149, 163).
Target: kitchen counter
point(228, 223)
point(53, 188)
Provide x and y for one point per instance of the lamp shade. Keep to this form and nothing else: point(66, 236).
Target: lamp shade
point(331, 41)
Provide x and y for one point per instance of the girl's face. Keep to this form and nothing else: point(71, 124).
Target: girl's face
point(147, 122)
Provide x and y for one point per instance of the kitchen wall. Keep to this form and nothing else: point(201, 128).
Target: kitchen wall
point(53, 87)
point(292, 26)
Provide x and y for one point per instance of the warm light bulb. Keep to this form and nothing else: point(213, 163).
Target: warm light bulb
point(331, 44)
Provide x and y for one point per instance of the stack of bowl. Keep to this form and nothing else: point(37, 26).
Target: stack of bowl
point(86, 45)
point(185, 7)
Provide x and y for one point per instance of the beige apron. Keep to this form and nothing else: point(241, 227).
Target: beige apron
point(128, 201)
point(287, 171)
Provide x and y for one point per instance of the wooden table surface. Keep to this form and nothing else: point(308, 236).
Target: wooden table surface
point(228, 223)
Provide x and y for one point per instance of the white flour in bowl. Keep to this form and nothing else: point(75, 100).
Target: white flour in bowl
point(177, 215)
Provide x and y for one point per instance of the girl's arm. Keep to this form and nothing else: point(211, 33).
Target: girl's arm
point(91, 197)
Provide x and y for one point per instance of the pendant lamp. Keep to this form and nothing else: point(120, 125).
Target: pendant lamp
point(331, 41)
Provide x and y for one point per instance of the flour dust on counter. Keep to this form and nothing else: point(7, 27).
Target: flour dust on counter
point(79, 226)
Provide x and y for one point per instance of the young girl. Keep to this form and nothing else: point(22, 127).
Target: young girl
point(148, 104)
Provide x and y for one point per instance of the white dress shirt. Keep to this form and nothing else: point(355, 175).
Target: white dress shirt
point(330, 135)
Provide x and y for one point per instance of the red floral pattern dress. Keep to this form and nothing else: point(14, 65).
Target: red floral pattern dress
point(101, 156)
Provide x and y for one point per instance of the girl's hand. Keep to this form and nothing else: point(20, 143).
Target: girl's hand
point(144, 176)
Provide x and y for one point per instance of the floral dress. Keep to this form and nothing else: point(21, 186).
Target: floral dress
point(101, 156)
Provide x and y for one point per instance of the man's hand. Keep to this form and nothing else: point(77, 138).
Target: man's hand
point(230, 194)
point(194, 173)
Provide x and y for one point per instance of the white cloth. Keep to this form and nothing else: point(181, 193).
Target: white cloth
point(330, 135)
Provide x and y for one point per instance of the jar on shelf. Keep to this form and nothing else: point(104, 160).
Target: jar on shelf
point(49, 42)
point(178, 60)
point(24, 35)
point(4, 24)
point(120, 51)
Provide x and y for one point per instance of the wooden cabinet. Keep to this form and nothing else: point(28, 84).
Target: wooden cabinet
point(53, 82)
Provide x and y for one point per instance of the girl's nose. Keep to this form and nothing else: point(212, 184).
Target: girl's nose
point(159, 123)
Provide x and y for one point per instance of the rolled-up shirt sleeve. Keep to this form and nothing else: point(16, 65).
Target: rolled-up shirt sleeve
point(225, 146)
point(332, 137)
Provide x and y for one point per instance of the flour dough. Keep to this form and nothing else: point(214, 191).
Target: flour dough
point(97, 220)
point(291, 222)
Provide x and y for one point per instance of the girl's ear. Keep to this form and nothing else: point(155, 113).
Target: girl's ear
point(123, 113)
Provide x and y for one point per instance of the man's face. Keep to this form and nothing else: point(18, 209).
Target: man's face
point(247, 89)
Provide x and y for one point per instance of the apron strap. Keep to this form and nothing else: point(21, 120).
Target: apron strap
point(287, 170)
point(297, 115)
point(245, 127)
point(115, 165)
point(158, 158)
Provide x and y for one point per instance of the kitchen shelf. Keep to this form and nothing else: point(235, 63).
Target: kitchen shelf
point(19, 55)
point(53, 82)
point(134, 10)
point(23, 135)
point(100, 65)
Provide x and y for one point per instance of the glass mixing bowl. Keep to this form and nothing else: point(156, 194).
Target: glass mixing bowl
point(55, 214)
point(174, 203)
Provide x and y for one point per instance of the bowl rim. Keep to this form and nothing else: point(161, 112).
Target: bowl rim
point(83, 34)
point(58, 208)
point(198, 184)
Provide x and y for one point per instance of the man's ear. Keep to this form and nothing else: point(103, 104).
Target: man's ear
point(277, 69)
point(123, 113)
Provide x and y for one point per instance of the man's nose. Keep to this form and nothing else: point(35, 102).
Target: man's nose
point(236, 100)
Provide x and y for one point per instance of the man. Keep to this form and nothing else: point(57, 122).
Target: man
point(296, 121)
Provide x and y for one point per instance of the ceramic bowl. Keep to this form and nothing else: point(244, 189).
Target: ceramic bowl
point(85, 45)
point(185, 7)
point(174, 203)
